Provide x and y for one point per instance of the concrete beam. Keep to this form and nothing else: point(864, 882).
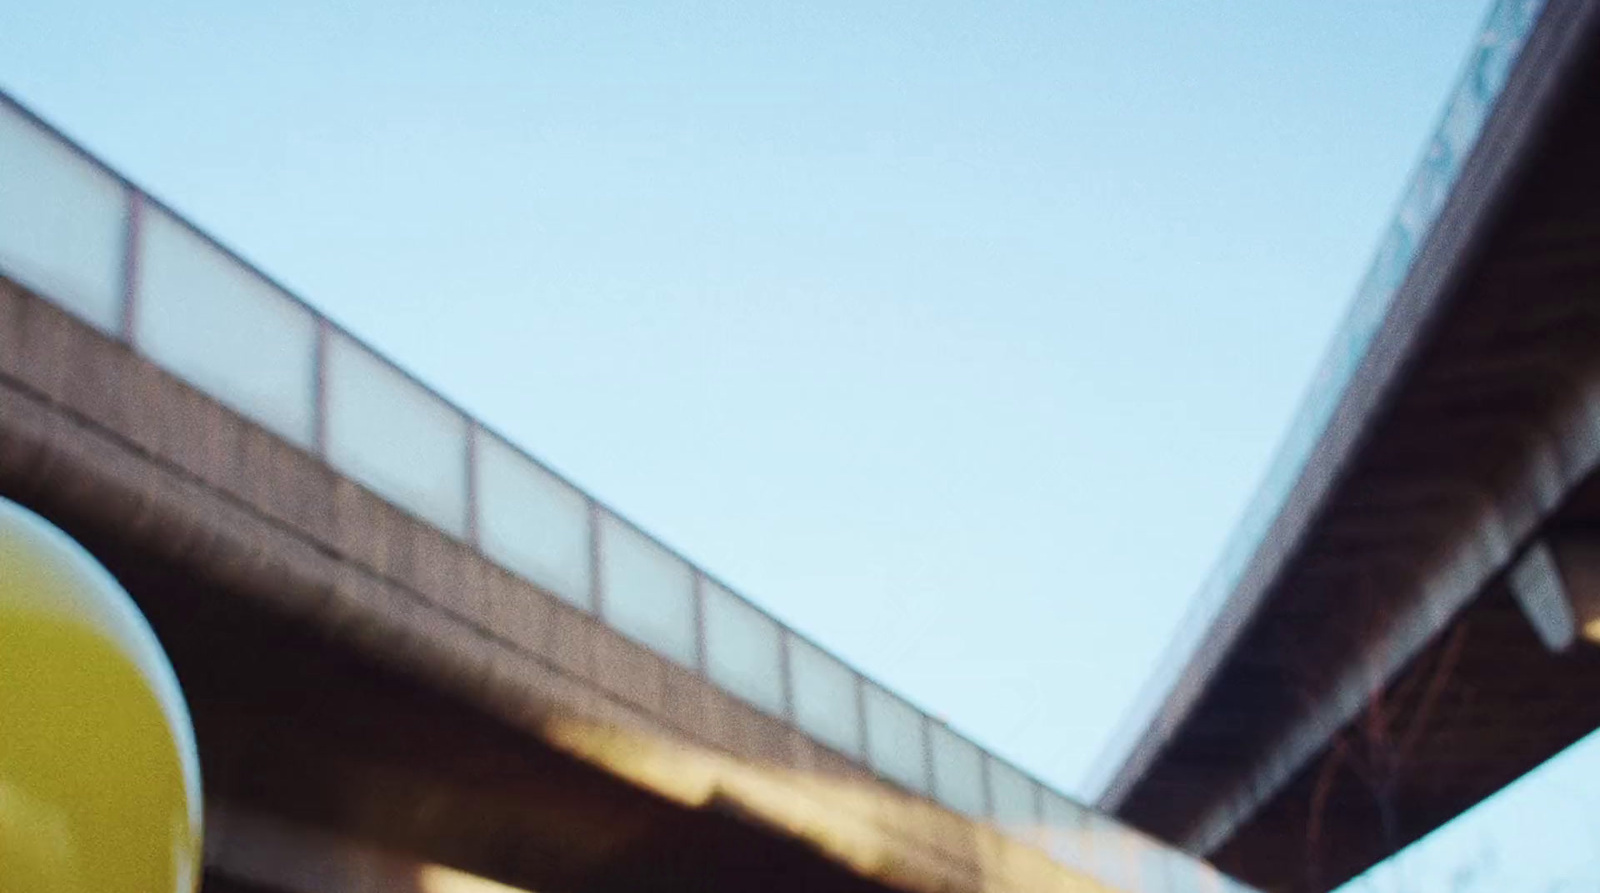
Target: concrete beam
point(1557, 584)
point(1536, 584)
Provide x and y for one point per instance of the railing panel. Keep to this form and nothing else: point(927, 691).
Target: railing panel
point(647, 594)
point(824, 695)
point(1064, 831)
point(1155, 867)
point(216, 324)
point(532, 522)
point(1186, 874)
point(744, 649)
point(402, 441)
point(896, 744)
point(1114, 860)
point(957, 772)
point(62, 222)
point(1013, 797)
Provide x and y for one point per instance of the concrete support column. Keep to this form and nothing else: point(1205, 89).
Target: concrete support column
point(1557, 584)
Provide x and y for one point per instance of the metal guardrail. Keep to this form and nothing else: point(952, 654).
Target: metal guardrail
point(89, 241)
point(1498, 46)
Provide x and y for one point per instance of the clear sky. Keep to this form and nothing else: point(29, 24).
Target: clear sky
point(955, 334)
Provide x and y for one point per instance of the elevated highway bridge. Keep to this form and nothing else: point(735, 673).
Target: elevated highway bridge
point(1404, 622)
point(417, 659)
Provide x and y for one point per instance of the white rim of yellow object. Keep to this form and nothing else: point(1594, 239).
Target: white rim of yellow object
point(115, 617)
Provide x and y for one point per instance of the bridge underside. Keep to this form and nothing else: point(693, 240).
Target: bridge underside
point(1477, 710)
point(318, 743)
point(1390, 680)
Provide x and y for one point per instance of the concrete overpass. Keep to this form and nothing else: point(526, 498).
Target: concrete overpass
point(1397, 628)
point(419, 660)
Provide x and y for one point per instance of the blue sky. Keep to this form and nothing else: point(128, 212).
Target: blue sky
point(957, 335)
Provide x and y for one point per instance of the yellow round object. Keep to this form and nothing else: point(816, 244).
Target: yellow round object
point(99, 780)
